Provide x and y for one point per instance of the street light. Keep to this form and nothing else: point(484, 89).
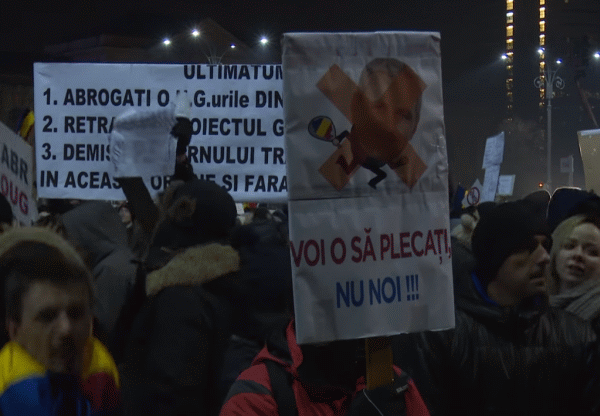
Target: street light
point(548, 81)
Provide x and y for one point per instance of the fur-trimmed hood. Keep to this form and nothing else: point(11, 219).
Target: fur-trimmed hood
point(194, 266)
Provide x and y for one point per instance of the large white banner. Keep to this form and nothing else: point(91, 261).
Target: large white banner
point(17, 175)
point(236, 114)
point(368, 184)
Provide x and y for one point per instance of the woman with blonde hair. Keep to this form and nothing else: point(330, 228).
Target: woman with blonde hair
point(573, 282)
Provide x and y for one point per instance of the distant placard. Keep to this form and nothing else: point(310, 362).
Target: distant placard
point(17, 176)
point(589, 146)
point(506, 184)
point(494, 151)
point(490, 183)
point(566, 164)
point(473, 195)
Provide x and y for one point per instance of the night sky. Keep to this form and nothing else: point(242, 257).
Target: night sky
point(472, 33)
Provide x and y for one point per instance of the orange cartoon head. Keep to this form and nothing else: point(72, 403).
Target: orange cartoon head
point(385, 110)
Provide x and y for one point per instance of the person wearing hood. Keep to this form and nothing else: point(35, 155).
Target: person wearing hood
point(96, 230)
point(203, 289)
point(510, 352)
point(52, 364)
point(574, 278)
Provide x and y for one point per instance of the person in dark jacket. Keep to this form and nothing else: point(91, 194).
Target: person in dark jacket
point(510, 353)
point(325, 380)
point(95, 229)
point(203, 289)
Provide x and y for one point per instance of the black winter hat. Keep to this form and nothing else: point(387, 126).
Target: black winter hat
point(6, 214)
point(504, 230)
point(567, 202)
point(197, 212)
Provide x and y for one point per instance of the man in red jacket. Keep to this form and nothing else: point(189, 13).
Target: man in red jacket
point(324, 379)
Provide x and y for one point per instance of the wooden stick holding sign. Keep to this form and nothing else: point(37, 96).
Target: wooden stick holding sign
point(380, 369)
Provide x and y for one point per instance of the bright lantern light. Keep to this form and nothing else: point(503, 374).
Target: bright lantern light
point(264, 41)
point(195, 33)
point(166, 41)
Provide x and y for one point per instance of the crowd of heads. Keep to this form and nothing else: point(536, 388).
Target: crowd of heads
point(534, 245)
point(54, 275)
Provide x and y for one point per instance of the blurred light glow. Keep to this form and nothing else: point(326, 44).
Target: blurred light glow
point(504, 57)
point(597, 55)
point(233, 46)
point(195, 33)
point(541, 51)
point(166, 41)
point(559, 61)
point(264, 41)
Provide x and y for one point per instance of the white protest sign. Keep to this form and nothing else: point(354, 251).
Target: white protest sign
point(566, 164)
point(506, 184)
point(17, 176)
point(589, 146)
point(368, 194)
point(141, 143)
point(490, 183)
point(494, 151)
point(236, 114)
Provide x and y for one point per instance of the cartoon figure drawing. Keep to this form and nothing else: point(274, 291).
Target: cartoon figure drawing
point(322, 128)
point(384, 110)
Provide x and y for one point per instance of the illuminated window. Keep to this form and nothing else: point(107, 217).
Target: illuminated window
point(509, 4)
point(542, 39)
point(542, 2)
point(509, 30)
point(542, 12)
point(509, 43)
point(509, 17)
point(542, 25)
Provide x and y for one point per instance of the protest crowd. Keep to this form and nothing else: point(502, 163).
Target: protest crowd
point(199, 319)
point(181, 305)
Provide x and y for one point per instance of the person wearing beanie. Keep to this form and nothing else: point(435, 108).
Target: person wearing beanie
point(511, 246)
point(509, 348)
point(204, 289)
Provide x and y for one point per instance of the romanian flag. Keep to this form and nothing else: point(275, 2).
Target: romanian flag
point(26, 388)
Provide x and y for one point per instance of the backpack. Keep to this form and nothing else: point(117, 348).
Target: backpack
point(281, 385)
